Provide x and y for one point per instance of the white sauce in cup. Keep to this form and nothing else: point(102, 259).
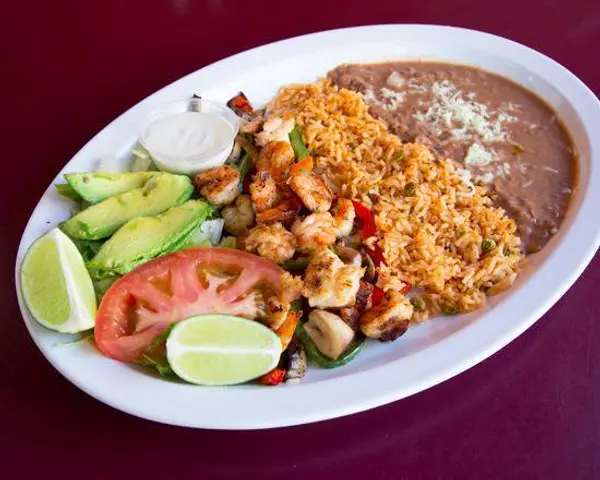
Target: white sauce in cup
point(188, 142)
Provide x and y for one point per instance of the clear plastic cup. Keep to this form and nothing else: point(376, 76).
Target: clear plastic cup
point(192, 164)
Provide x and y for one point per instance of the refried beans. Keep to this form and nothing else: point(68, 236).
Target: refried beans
point(498, 133)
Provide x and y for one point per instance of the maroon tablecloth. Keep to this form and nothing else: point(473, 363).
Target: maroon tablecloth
point(70, 67)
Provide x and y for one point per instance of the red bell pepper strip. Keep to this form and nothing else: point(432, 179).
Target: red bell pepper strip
point(240, 104)
point(369, 229)
point(274, 377)
point(377, 297)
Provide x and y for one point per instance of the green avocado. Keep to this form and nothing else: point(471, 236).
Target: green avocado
point(95, 187)
point(144, 238)
point(102, 219)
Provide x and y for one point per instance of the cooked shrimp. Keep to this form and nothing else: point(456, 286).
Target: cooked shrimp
point(264, 191)
point(277, 312)
point(277, 158)
point(312, 190)
point(239, 217)
point(329, 283)
point(388, 320)
point(273, 242)
point(276, 128)
point(316, 230)
point(343, 214)
point(284, 212)
point(219, 185)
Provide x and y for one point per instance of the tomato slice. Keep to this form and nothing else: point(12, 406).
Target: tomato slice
point(142, 304)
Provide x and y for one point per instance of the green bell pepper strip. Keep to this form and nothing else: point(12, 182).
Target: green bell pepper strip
point(316, 356)
point(244, 166)
point(298, 144)
point(295, 264)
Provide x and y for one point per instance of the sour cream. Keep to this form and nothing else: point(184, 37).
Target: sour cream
point(188, 142)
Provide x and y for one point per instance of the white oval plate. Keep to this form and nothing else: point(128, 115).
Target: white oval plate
point(428, 354)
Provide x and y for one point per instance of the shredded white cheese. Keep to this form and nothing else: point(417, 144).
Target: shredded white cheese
point(485, 178)
point(463, 116)
point(391, 98)
point(477, 156)
point(394, 98)
point(369, 96)
point(395, 80)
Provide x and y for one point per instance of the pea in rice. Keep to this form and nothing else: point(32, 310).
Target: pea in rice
point(438, 231)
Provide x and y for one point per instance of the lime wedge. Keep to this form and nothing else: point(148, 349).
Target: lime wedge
point(222, 350)
point(56, 286)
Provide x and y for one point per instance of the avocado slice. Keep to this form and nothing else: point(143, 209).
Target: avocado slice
point(95, 187)
point(144, 238)
point(101, 220)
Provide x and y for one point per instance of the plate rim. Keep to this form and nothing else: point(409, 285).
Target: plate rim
point(452, 365)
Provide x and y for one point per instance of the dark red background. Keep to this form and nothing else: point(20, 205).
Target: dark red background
point(71, 66)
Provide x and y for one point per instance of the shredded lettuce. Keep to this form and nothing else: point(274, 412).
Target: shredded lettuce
point(87, 248)
point(141, 160)
point(101, 285)
point(208, 233)
point(159, 362)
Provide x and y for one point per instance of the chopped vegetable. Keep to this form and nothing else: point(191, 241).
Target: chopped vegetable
point(286, 331)
point(163, 368)
point(488, 245)
point(347, 254)
point(248, 147)
point(88, 248)
point(298, 144)
point(316, 356)
point(409, 189)
point(378, 294)
point(206, 234)
point(296, 264)
point(294, 360)
point(417, 303)
point(303, 166)
point(141, 161)
point(399, 156)
point(274, 377)
point(329, 333)
point(449, 309)
point(102, 285)
point(369, 229)
point(240, 104)
point(228, 242)
point(244, 166)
